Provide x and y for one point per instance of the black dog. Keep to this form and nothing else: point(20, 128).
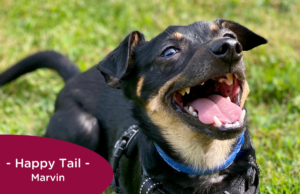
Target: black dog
point(184, 90)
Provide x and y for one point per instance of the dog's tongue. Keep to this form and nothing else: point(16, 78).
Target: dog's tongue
point(216, 105)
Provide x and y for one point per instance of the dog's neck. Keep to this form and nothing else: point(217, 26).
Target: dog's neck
point(202, 171)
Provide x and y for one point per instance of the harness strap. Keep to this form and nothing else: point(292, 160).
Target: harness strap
point(148, 185)
point(125, 145)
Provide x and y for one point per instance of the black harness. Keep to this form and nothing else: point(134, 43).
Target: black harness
point(245, 183)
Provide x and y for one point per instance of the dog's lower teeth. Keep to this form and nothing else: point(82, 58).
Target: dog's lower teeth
point(242, 117)
point(228, 99)
point(195, 114)
point(227, 125)
point(217, 121)
point(232, 125)
point(191, 110)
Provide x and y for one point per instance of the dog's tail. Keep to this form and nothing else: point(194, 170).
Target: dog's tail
point(47, 59)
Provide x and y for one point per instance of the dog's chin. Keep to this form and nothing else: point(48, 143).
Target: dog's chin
point(212, 107)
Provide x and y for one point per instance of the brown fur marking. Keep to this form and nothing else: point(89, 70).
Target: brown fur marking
point(227, 24)
point(213, 27)
point(134, 40)
point(140, 86)
point(177, 35)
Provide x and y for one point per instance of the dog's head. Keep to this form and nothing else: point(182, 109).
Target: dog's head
point(189, 82)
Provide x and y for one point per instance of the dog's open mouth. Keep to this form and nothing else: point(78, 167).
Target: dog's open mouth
point(216, 101)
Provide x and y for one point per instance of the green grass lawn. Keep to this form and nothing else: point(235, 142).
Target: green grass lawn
point(86, 30)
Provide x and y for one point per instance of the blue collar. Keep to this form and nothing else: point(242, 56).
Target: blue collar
point(190, 170)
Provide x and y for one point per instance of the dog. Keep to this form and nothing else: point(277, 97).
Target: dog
point(183, 91)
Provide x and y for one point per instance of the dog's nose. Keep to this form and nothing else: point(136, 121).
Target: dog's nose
point(227, 49)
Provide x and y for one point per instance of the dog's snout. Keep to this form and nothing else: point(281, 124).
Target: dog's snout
point(228, 49)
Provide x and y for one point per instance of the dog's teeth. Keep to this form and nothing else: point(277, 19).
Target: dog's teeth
point(195, 114)
point(182, 92)
point(229, 80)
point(217, 121)
point(231, 125)
point(242, 117)
point(228, 99)
point(202, 83)
point(235, 124)
point(227, 125)
point(224, 80)
point(236, 76)
point(187, 90)
point(191, 110)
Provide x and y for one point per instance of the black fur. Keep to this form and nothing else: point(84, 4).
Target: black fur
point(90, 113)
point(48, 59)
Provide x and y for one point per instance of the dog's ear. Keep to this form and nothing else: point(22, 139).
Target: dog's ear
point(113, 67)
point(246, 37)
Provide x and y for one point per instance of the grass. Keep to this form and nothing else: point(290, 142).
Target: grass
point(86, 31)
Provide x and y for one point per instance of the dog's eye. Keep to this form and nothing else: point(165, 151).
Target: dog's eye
point(229, 36)
point(169, 52)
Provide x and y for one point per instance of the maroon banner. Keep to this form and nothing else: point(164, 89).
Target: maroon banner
point(40, 165)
